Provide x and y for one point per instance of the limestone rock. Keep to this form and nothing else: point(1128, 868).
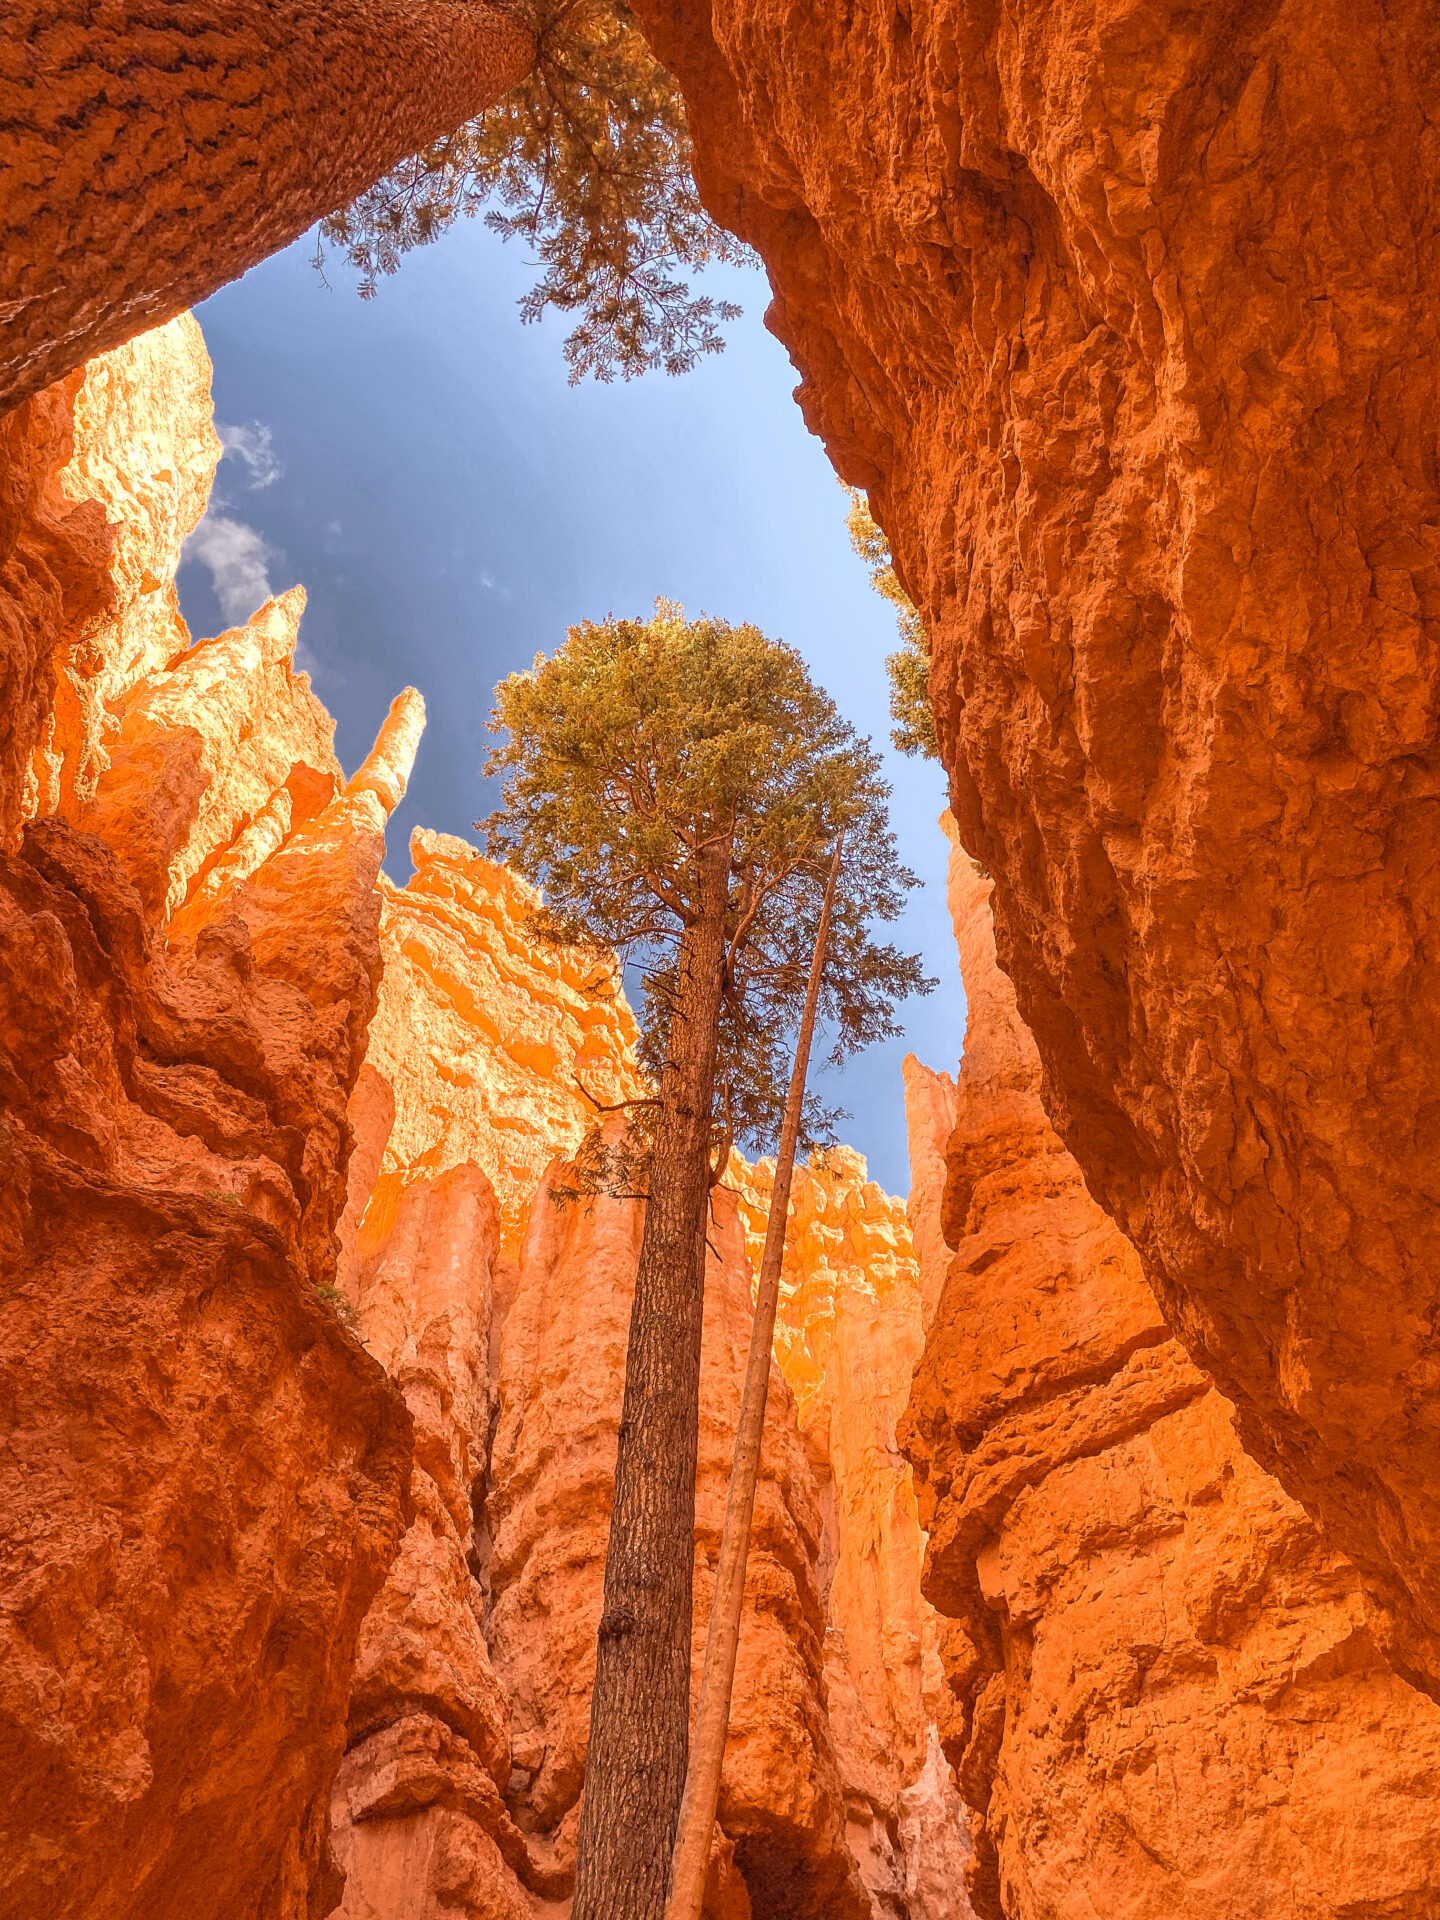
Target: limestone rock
point(849, 1332)
point(420, 1826)
point(1167, 1700)
point(561, 1376)
point(101, 478)
point(480, 1037)
point(205, 1475)
point(1126, 318)
point(929, 1122)
point(484, 1036)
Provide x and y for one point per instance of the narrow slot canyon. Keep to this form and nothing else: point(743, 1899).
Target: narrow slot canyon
point(1094, 1571)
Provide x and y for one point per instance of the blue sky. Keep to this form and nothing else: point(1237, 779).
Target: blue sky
point(419, 463)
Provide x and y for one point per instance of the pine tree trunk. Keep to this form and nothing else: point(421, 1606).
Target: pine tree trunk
point(640, 1707)
point(151, 150)
point(722, 1640)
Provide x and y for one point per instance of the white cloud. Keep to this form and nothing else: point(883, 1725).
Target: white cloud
point(252, 445)
point(238, 560)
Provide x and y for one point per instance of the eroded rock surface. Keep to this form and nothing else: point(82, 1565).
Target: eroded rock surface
point(561, 1375)
point(101, 478)
point(204, 1474)
point(848, 1335)
point(1167, 1699)
point(486, 1040)
point(469, 1088)
point(1126, 319)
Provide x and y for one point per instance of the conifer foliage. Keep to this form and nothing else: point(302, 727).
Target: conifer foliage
point(909, 666)
point(588, 163)
point(678, 789)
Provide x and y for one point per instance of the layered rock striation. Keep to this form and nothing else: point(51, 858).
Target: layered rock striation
point(1125, 318)
point(1167, 1700)
point(204, 1475)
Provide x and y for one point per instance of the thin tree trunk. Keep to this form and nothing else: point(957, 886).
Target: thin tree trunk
point(722, 1640)
point(151, 150)
point(640, 1707)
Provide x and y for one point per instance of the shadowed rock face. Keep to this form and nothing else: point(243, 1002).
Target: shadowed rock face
point(204, 1475)
point(849, 1332)
point(1166, 1697)
point(1126, 318)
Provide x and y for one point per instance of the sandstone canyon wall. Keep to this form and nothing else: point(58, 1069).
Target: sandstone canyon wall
point(1126, 318)
point(507, 1334)
point(1167, 1699)
point(311, 1385)
point(204, 1475)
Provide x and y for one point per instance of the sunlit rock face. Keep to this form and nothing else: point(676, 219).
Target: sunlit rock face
point(1126, 318)
point(1166, 1697)
point(488, 1042)
point(204, 1474)
point(481, 1041)
point(104, 474)
point(848, 1335)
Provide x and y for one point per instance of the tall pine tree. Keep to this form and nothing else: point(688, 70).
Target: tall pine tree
point(677, 788)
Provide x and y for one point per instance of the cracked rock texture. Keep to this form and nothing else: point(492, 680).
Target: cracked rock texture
point(1167, 1702)
point(1126, 318)
point(204, 1475)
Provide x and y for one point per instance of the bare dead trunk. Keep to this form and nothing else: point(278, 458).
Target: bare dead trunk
point(151, 150)
point(722, 1640)
point(640, 1708)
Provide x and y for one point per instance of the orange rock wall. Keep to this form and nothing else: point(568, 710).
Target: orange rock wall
point(204, 1477)
point(101, 478)
point(1125, 317)
point(484, 1038)
point(849, 1333)
point(1167, 1701)
point(560, 1377)
point(475, 1050)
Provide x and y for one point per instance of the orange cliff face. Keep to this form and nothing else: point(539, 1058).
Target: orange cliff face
point(848, 1334)
point(204, 1474)
point(243, 1545)
point(1093, 301)
point(1167, 1702)
point(508, 1339)
point(485, 1040)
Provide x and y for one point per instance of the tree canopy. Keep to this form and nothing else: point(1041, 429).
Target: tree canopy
point(909, 666)
point(588, 161)
point(636, 743)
